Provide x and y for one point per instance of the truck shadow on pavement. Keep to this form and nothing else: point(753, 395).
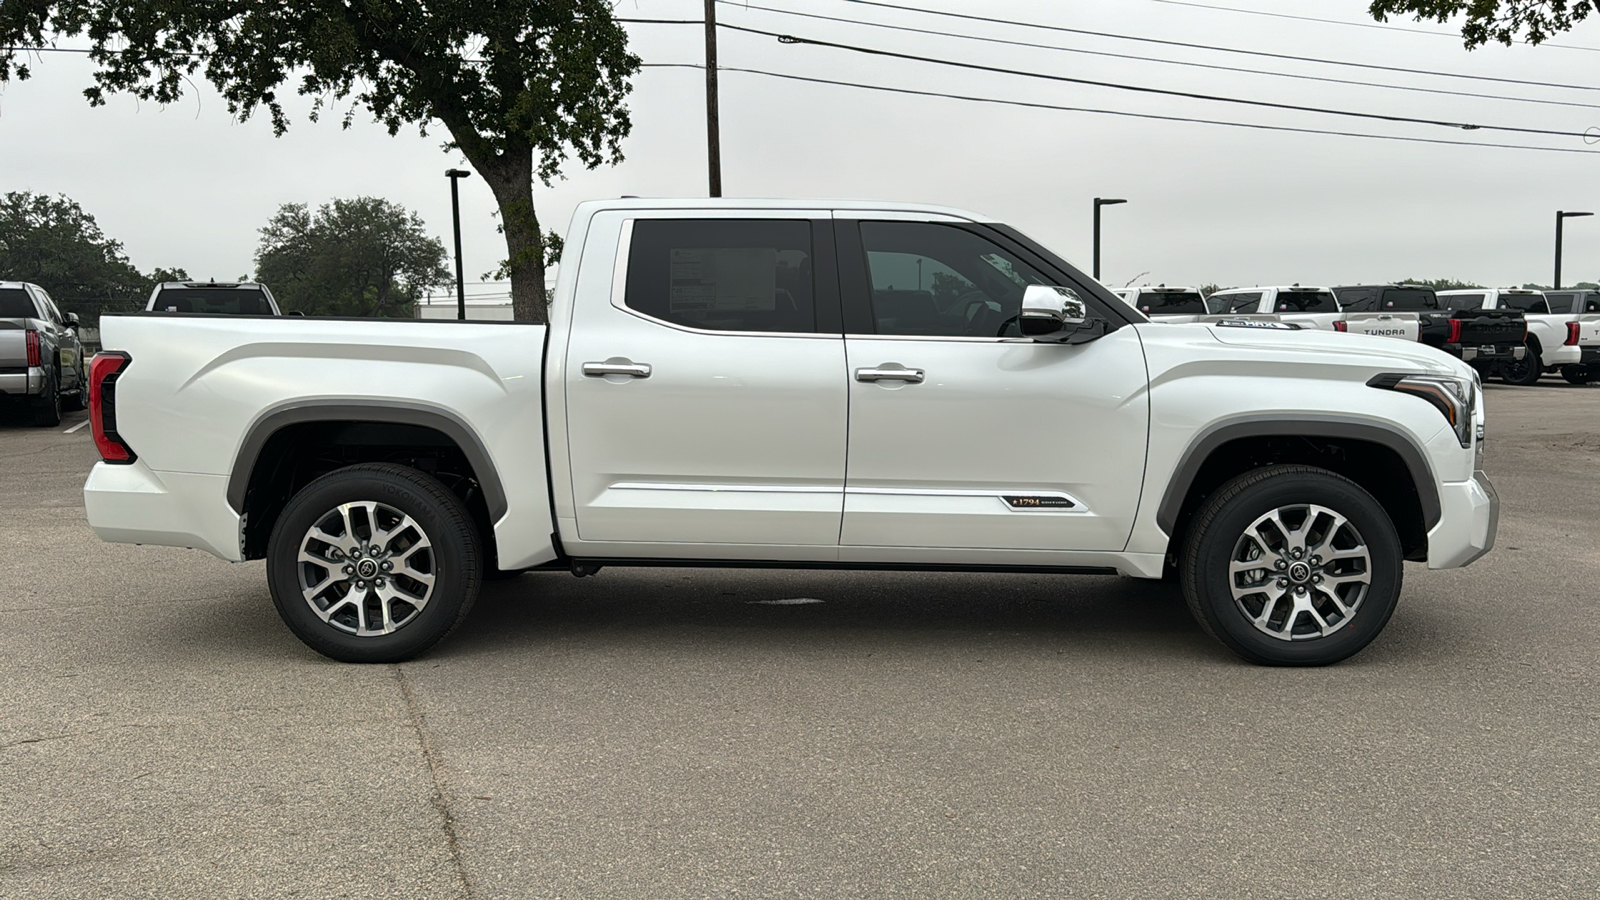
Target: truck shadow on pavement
point(794, 608)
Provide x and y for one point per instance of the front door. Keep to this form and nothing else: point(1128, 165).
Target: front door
point(962, 433)
point(706, 402)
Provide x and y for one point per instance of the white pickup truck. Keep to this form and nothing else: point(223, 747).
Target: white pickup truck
point(793, 384)
point(1181, 306)
point(1566, 342)
point(1308, 307)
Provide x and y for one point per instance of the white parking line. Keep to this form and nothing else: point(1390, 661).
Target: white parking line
point(76, 427)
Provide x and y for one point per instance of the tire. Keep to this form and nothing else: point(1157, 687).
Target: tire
point(1319, 511)
point(1523, 372)
point(424, 532)
point(47, 408)
point(78, 400)
point(1576, 374)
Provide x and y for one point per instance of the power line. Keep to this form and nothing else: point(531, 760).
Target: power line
point(1174, 62)
point(1189, 95)
point(1381, 26)
point(1123, 113)
point(1191, 46)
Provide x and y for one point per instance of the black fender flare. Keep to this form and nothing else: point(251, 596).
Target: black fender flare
point(1213, 437)
point(443, 421)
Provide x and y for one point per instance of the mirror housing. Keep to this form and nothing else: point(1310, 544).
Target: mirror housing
point(1057, 315)
point(72, 320)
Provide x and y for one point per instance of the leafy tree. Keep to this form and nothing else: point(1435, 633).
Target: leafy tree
point(1506, 21)
point(54, 243)
point(1580, 286)
point(360, 257)
point(1440, 284)
point(518, 84)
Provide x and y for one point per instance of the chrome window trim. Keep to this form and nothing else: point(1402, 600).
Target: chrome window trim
point(619, 283)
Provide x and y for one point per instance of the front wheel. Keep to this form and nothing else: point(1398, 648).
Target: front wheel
point(1292, 565)
point(373, 563)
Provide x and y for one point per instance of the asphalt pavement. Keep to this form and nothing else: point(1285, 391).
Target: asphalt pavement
point(702, 733)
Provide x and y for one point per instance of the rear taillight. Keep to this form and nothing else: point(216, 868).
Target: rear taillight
point(1341, 326)
point(1572, 334)
point(32, 337)
point(1455, 332)
point(104, 370)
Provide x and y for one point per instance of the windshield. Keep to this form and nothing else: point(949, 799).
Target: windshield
point(1409, 300)
point(1171, 303)
point(234, 301)
point(16, 304)
point(1306, 301)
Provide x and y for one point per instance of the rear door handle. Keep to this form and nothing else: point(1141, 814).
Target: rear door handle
point(910, 376)
point(602, 369)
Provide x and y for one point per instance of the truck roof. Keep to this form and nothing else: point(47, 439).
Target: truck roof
point(723, 203)
point(1274, 287)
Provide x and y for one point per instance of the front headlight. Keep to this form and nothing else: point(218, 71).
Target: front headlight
point(1456, 398)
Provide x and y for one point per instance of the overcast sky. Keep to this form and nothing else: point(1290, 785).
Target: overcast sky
point(188, 186)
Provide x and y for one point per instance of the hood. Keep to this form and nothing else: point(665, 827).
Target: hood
point(1384, 352)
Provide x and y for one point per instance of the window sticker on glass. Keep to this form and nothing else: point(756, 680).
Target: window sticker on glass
point(722, 279)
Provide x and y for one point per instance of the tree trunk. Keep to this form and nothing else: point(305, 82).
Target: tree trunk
point(511, 179)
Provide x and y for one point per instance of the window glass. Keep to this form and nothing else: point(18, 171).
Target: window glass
point(1171, 302)
point(1246, 302)
point(1357, 299)
point(943, 281)
point(723, 274)
point(234, 301)
point(1408, 299)
point(1528, 303)
point(16, 304)
point(1306, 302)
point(1463, 301)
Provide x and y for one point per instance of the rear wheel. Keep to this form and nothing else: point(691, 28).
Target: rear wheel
point(47, 408)
point(1577, 374)
point(1292, 565)
point(1524, 371)
point(79, 398)
point(373, 563)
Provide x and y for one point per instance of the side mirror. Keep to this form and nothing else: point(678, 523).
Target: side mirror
point(72, 320)
point(1056, 315)
point(294, 312)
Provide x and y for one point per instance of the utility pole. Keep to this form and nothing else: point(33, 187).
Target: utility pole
point(713, 127)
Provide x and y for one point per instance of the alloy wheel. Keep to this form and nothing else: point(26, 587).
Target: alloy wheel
point(1300, 572)
point(366, 568)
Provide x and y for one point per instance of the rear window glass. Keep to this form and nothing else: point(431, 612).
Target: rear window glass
point(1171, 303)
point(1528, 303)
point(1234, 303)
point(1403, 299)
point(723, 274)
point(1306, 302)
point(234, 301)
point(1463, 301)
point(1357, 299)
point(16, 304)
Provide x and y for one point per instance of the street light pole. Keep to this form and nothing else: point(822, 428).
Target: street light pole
point(455, 176)
point(713, 123)
point(1099, 202)
point(1561, 215)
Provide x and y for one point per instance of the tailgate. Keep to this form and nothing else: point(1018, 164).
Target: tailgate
point(1588, 331)
point(1492, 327)
point(1392, 325)
point(13, 344)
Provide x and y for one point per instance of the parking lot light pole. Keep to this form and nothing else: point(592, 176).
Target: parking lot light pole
point(1099, 202)
point(1560, 216)
point(455, 176)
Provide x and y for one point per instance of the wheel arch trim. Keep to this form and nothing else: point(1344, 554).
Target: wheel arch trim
point(394, 412)
point(1202, 447)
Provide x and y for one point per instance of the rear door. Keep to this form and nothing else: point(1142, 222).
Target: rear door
point(962, 433)
point(705, 397)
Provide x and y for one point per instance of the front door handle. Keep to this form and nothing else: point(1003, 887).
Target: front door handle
point(887, 373)
point(602, 369)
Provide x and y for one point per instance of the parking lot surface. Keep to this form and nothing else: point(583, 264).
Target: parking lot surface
point(682, 733)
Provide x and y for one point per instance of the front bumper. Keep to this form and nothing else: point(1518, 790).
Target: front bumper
point(22, 381)
point(1469, 517)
